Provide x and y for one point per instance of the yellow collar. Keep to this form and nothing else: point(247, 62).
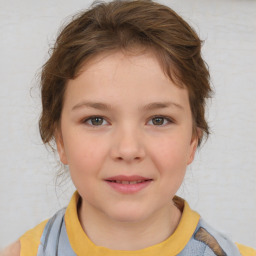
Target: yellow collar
point(173, 245)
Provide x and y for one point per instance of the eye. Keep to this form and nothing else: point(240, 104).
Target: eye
point(95, 121)
point(160, 121)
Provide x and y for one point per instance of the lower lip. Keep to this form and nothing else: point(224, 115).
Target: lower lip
point(129, 188)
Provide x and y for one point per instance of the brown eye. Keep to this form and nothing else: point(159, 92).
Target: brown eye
point(158, 120)
point(95, 121)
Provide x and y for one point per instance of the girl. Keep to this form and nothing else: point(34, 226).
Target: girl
point(123, 97)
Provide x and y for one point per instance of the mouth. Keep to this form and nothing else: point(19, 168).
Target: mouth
point(128, 184)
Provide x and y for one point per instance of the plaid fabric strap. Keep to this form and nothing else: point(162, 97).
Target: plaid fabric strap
point(54, 240)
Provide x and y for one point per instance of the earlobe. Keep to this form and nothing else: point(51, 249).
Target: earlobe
point(193, 145)
point(60, 147)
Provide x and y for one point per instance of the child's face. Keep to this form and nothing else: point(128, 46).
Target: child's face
point(140, 130)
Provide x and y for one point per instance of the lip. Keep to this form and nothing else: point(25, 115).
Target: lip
point(128, 188)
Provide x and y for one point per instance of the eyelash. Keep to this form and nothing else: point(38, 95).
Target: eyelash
point(169, 120)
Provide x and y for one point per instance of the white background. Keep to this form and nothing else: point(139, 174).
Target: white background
point(220, 184)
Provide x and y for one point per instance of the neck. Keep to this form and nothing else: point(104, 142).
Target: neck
point(120, 235)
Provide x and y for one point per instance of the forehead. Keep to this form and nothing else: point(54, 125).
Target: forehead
point(124, 76)
point(138, 53)
point(135, 56)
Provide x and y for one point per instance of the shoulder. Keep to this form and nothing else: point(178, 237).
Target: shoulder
point(215, 242)
point(29, 242)
point(245, 250)
point(219, 243)
point(12, 250)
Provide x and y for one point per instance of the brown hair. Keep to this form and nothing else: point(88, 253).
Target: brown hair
point(124, 25)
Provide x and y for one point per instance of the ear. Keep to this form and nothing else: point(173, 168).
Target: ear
point(193, 145)
point(60, 146)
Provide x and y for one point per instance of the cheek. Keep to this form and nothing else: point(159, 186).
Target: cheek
point(171, 154)
point(84, 154)
point(85, 161)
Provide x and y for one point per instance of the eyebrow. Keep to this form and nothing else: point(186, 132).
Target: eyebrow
point(105, 106)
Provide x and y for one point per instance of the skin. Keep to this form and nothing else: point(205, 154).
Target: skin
point(12, 250)
point(127, 139)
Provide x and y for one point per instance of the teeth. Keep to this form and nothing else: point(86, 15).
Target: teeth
point(128, 182)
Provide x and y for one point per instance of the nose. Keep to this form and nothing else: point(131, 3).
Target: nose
point(128, 146)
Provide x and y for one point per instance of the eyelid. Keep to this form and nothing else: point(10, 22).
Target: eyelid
point(85, 120)
point(169, 119)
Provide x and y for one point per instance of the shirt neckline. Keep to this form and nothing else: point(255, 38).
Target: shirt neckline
point(173, 245)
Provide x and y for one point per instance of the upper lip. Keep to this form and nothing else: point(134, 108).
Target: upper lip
point(127, 178)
